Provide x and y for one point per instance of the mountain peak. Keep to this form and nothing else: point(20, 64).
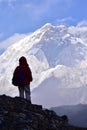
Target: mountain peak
point(47, 25)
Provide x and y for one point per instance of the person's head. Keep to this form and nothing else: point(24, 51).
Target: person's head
point(22, 60)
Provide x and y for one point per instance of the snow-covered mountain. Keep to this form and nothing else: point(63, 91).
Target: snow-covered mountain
point(57, 56)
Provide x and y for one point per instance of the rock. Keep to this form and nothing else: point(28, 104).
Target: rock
point(19, 114)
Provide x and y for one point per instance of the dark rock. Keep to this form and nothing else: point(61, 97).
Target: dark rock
point(19, 114)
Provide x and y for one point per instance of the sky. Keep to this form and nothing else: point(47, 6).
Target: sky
point(25, 16)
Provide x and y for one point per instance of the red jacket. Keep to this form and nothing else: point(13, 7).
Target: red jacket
point(27, 75)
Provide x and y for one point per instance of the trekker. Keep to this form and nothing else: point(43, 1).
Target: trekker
point(22, 77)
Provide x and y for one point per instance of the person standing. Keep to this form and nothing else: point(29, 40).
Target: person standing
point(22, 77)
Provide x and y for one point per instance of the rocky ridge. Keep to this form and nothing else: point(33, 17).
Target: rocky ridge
point(19, 114)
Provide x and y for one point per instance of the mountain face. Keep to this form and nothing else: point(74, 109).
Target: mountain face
point(57, 56)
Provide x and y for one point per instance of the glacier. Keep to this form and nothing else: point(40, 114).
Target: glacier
point(57, 56)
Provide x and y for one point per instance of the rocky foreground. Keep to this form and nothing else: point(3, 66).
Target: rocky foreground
point(19, 114)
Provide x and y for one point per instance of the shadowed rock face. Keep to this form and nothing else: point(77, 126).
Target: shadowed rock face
point(19, 114)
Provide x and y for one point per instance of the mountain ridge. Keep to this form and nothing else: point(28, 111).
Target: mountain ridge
point(76, 113)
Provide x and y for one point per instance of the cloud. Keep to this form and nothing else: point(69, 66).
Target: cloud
point(37, 10)
point(16, 37)
point(47, 7)
point(82, 23)
point(65, 21)
point(8, 3)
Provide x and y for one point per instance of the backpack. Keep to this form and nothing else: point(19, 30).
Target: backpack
point(18, 78)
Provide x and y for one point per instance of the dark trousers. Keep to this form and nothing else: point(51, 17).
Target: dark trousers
point(24, 92)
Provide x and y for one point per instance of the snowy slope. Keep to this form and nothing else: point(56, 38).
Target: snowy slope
point(57, 56)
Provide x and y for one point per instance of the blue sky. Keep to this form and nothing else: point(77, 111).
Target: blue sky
point(24, 16)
